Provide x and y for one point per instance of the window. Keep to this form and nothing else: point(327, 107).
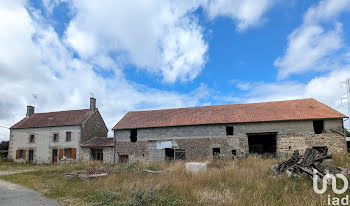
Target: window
point(68, 136)
point(123, 158)
point(20, 154)
point(234, 153)
point(31, 138)
point(68, 153)
point(216, 152)
point(97, 154)
point(229, 130)
point(318, 126)
point(133, 135)
point(55, 137)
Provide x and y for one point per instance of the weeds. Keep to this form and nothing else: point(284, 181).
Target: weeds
point(244, 182)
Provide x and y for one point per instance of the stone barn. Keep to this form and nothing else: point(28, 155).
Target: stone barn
point(226, 131)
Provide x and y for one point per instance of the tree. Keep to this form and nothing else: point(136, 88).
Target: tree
point(4, 145)
point(347, 133)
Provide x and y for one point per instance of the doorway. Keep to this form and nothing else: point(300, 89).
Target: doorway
point(54, 156)
point(31, 156)
point(262, 143)
point(169, 154)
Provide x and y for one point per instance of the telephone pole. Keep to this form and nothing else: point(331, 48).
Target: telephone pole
point(347, 98)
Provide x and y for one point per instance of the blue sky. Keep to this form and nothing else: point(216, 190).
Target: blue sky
point(165, 54)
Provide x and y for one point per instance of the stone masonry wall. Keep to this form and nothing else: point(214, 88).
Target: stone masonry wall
point(290, 142)
point(94, 127)
point(195, 148)
point(199, 141)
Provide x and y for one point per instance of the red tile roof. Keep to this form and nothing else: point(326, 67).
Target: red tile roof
point(99, 142)
point(299, 109)
point(54, 119)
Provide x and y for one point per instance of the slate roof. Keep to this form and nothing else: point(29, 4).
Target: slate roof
point(300, 109)
point(99, 142)
point(54, 119)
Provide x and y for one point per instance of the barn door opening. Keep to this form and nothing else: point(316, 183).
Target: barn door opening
point(262, 143)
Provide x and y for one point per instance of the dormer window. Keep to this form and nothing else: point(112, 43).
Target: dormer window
point(31, 138)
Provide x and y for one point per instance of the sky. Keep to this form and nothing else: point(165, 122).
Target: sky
point(154, 54)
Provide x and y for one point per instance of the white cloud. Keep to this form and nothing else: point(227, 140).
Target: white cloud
point(325, 88)
point(160, 36)
point(245, 13)
point(312, 46)
point(36, 61)
point(154, 35)
point(163, 37)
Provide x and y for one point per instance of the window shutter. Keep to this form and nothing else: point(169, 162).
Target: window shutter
point(60, 153)
point(24, 154)
point(17, 154)
point(74, 153)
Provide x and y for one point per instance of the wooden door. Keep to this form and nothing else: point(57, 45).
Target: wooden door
point(54, 156)
point(31, 156)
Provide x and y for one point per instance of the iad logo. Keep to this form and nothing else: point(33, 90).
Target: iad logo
point(335, 200)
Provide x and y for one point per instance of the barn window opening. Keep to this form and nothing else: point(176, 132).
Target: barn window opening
point(123, 158)
point(234, 153)
point(348, 146)
point(133, 135)
point(229, 130)
point(31, 138)
point(262, 143)
point(318, 126)
point(216, 152)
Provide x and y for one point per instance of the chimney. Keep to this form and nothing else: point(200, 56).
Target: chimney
point(92, 104)
point(30, 111)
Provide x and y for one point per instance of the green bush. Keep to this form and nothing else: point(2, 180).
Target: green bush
point(3, 153)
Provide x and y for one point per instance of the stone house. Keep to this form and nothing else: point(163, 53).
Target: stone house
point(228, 130)
point(55, 137)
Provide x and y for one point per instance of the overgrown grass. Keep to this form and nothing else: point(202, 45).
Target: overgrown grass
point(244, 182)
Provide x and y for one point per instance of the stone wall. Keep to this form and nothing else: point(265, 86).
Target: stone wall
point(199, 141)
point(108, 155)
point(195, 148)
point(290, 142)
point(94, 127)
point(240, 129)
point(135, 150)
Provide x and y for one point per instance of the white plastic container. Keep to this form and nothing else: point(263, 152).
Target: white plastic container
point(195, 167)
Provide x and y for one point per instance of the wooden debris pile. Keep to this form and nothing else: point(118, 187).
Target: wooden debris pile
point(312, 159)
point(88, 173)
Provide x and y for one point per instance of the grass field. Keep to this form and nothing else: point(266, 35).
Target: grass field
point(244, 182)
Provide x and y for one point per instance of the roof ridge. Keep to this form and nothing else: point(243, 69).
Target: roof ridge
point(73, 110)
point(194, 107)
